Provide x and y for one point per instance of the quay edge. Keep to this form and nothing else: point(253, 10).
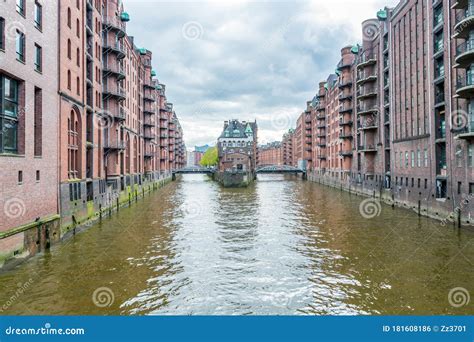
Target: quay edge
point(27, 240)
point(446, 212)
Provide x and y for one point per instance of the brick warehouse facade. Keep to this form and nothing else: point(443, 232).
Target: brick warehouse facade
point(111, 134)
point(270, 154)
point(395, 121)
point(28, 114)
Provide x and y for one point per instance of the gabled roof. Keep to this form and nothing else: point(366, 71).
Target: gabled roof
point(235, 129)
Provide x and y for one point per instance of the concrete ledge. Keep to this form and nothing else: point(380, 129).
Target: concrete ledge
point(28, 226)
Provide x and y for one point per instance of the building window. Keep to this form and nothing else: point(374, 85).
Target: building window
point(20, 6)
point(38, 58)
point(69, 18)
point(458, 155)
point(418, 158)
point(38, 176)
point(406, 160)
point(459, 187)
point(69, 79)
point(426, 157)
point(78, 57)
point(20, 177)
point(73, 145)
point(78, 28)
point(2, 33)
point(20, 46)
point(78, 86)
point(412, 159)
point(470, 155)
point(38, 15)
point(8, 115)
point(38, 121)
point(69, 49)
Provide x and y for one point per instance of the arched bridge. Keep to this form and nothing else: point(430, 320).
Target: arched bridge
point(195, 169)
point(278, 169)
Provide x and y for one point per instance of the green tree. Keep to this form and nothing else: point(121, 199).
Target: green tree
point(210, 158)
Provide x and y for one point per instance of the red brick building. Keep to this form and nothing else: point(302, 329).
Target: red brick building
point(287, 148)
point(28, 127)
point(85, 124)
point(396, 120)
point(271, 154)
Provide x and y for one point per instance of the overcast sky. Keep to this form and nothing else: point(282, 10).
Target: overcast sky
point(245, 59)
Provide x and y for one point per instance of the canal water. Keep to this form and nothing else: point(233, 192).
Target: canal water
point(281, 246)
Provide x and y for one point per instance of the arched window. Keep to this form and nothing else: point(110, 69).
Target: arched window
point(78, 28)
point(69, 79)
point(78, 86)
point(78, 57)
point(69, 17)
point(69, 53)
point(73, 146)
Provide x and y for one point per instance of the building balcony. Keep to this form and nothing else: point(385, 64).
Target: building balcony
point(367, 148)
point(321, 144)
point(321, 126)
point(368, 125)
point(367, 109)
point(148, 155)
point(114, 145)
point(464, 23)
point(465, 86)
point(116, 93)
point(366, 92)
point(345, 96)
point(366, 58)
point(114, 24)
point(148, 123)
point(148, 136)
point(148, 85)
point(114, 71)
point(466, 132)
point(114, 48)
point(308, 120)
point(345, 83)
point(321, 156)
point(464, 54)
point(118, 115)
point(346, 136)
point(365, 77)
point(321, 117)
point(148, 111)
point(345, 153)
point(343, 122)
point(345, 109)
point(321, 135)
point(344, 64)
point(148, 97)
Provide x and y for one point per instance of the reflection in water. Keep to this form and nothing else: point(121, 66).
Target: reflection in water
point(281, 246)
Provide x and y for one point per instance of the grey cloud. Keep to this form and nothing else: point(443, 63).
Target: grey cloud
point(252, 59)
